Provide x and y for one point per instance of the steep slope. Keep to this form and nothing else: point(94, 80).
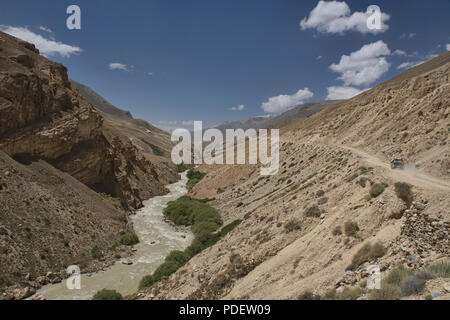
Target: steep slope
point(298, 231)
point(48, 221)
point(100, 103)
point(152, 142)
point(44, 118)
point(405, 117)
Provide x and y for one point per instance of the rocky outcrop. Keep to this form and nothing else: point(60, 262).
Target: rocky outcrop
point(43, 117)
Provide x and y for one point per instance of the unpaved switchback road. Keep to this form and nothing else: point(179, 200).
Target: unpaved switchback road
point(409, 174)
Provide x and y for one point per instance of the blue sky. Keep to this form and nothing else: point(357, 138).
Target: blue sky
point(226, 60)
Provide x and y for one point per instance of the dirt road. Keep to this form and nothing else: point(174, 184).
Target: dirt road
point(410, 174)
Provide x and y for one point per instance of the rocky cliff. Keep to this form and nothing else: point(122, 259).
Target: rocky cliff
point(43, 117)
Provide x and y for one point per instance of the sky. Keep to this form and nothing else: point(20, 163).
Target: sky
point(171, 62)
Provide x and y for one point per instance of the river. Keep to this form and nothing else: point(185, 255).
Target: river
point(157, 239)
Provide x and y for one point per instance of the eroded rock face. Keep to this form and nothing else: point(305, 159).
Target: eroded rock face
point(43, 117)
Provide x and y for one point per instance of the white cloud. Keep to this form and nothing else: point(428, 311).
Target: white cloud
point(118, 66)
point(399, 52)
point(364, 66)
point(319, 57)
point(284, 102)
point(409, 64)
point(342, 93)
point(48, 30)
point(47, 47)
point(407, 35)
point(336, 17)
point(150, 73)
point(238, 108)
point(447, 47)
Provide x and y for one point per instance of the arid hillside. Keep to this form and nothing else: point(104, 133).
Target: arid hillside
point(153, 143)
point(335, 207)
point(48, 221)
point(68, 178)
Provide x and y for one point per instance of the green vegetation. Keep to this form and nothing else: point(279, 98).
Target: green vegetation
point(386, 292)
point(349, 294)
point(403, 191)
point(204, 221)
point(397, 276)
point(405, 282)
point(145, 282)
point(367, 253)
point(377, 189)
point(240, 204)
point(229, 227)
point(155, 149)
point(128, 239)
point(96, 253)
point(181, 167)
point(199, 215)
point(441, 269)
point(3, 231)
point(193, 178)
point(174, 261)
point(107, 295)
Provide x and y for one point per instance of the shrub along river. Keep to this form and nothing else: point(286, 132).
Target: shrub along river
point(157, 240)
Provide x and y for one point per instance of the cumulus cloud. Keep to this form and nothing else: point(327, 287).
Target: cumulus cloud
point(342, 93)
point(336, 17)
point(399, 52)
point(284, 102)
point(118, 66)
point(238, 108)
point(447, 46)
point(46, 46)
point(364, 66)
